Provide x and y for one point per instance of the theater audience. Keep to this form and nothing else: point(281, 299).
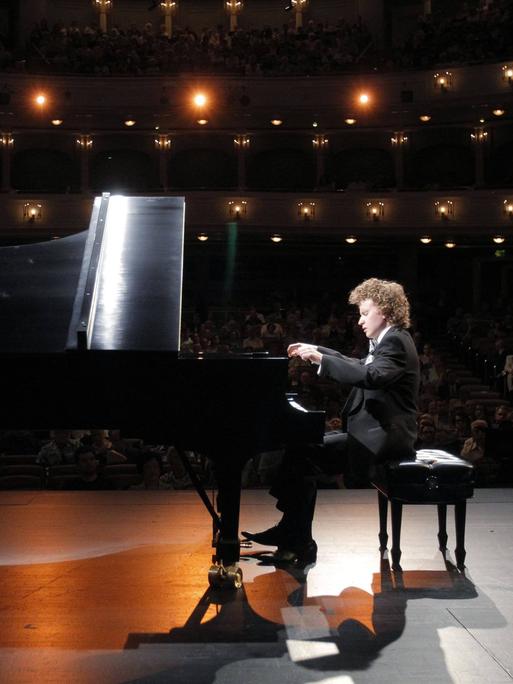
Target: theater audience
point(473, 447)
point(59, 450)
point(149, 465)
point(89, 476)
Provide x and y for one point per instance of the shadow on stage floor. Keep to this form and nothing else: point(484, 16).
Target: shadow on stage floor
point(355, 625)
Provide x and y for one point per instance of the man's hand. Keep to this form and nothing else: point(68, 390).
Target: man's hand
point(307, 352)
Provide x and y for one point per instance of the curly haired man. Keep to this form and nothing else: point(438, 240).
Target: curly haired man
point(379, 416)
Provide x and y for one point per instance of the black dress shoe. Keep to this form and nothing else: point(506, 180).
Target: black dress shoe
point(274, 536)
point(302, 554)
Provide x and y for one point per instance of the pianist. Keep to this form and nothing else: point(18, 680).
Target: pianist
point(379, 415)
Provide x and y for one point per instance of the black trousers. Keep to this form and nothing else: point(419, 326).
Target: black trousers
point(295, 486)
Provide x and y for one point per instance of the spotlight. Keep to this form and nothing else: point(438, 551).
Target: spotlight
point(200, 100)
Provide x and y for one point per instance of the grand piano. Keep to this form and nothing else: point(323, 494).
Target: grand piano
point(90, 338)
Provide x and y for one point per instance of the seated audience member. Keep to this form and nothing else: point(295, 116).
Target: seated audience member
point(253, 342)
point(149, 465)
point(474, 446)
point(60, 450)
point(98, 441)
point(502, 419)
point(89, 478)
point(507, 374)
point(18, 442)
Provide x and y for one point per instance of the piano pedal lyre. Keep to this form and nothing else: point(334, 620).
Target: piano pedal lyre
point(221, 577)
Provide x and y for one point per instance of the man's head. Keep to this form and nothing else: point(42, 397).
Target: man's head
point(87, 463)
point(381, 303)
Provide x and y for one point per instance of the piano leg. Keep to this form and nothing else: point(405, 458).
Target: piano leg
point(225, 570)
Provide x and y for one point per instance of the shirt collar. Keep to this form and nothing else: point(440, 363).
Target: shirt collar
point(381, 335)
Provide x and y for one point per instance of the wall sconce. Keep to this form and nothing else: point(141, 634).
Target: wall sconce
point(168, 6)
point(444, 210)
point(237, 209)
point(202, 237)
point(351, 239)
point(299, 3)
point(306, 210)
point(276, 238)
point(426, 239)
point(507, 74)
point(162, 142)
point(84, 142)
point(450, 244)
point(499, 239)
point(508, 208)
point(102, 5)
point(241, 142)
point(399, 139)
point(320, 142)
point(479, 135)
point(6, 140)
point(375, 210)
point(32, 212)
point(443, 81)
point(234, 6)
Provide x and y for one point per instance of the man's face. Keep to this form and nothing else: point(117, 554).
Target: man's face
point(371, 319)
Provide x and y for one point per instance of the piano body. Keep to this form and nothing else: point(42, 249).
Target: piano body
point(90, 336)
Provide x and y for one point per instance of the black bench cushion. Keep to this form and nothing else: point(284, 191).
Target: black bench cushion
point(433, 477)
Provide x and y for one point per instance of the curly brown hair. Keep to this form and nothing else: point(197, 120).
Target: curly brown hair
point(389, 296)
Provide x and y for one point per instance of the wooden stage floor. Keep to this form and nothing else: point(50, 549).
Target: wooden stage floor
point(112, 587)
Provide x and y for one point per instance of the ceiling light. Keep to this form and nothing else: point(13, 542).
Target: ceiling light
point(56, 122)
point(130, 123)
point(202, 122)
point(499, 239)
point(276, 238)
point(425, 239)
point(40, 99)
point(276, 122)
point(450, 244)
point(498, 112)
point(350, 122)
point(202, 237)
point(363, 98)
point(425, 118)
point(351, 239)
point(200, 99)
point(315, 124)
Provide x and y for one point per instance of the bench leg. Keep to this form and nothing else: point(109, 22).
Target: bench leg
point(383, 512)
point(397, 513)
point(460, 514)
point(442, 527)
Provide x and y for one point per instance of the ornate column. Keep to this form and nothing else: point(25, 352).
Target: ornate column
point(234, 7)
point(241, 144)
point(479, 137)
point(168, 8)
point(7, 144)
point(102, 7)
point(399, 141)
point(320, 144)
point(84, 145)
point(163, 145)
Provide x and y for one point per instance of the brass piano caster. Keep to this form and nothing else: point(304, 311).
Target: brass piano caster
point(221, 577)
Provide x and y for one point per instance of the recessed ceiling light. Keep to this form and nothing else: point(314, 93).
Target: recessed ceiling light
point(425, 118)
point(56, 122)
point(202, 237)
point(276, 122)
point(425, 239)
point(351, 239)
point(276, 238)
point(498, 112)
point(450, 244)
point(202, 122)
point(350, 122)
point(499, 239)
point(130, 123)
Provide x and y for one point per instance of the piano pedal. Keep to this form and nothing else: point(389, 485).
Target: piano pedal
point(221, 577)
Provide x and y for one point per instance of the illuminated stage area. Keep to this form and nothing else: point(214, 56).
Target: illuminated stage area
point(112, 587)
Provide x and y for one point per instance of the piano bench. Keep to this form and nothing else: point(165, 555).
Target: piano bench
point(434, 477)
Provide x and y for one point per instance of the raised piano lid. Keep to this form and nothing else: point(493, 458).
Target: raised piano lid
point(129, 292)
point(139, 290)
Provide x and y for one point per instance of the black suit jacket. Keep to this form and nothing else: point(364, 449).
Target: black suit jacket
point(381, 410)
